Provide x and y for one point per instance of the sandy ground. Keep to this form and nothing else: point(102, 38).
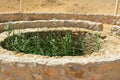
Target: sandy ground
point(74, 6)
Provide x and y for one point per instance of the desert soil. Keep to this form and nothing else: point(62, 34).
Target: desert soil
point(74, 6)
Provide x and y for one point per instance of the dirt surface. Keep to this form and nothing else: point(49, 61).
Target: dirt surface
point(76, 6)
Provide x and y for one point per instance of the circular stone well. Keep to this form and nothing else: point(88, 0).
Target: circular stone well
point(101, 65)
point(53, 41)
point(27, 66)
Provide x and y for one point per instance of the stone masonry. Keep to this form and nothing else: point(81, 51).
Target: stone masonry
point(102, 65)
point(53, 23)
point(108, 19)
point(20, 66)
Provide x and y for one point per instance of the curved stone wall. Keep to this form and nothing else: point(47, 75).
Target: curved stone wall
point(62, 69)
point(109, 19)
point(104, 65)
point(98, 66)
point(53, 23)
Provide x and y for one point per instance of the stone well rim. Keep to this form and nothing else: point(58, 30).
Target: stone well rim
point(12, 56)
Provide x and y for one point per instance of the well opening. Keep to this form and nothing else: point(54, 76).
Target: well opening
point(56, 42)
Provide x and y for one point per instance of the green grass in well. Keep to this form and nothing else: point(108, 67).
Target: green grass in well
point(50, 43)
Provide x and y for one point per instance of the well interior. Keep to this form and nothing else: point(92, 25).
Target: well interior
point(54, 42)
